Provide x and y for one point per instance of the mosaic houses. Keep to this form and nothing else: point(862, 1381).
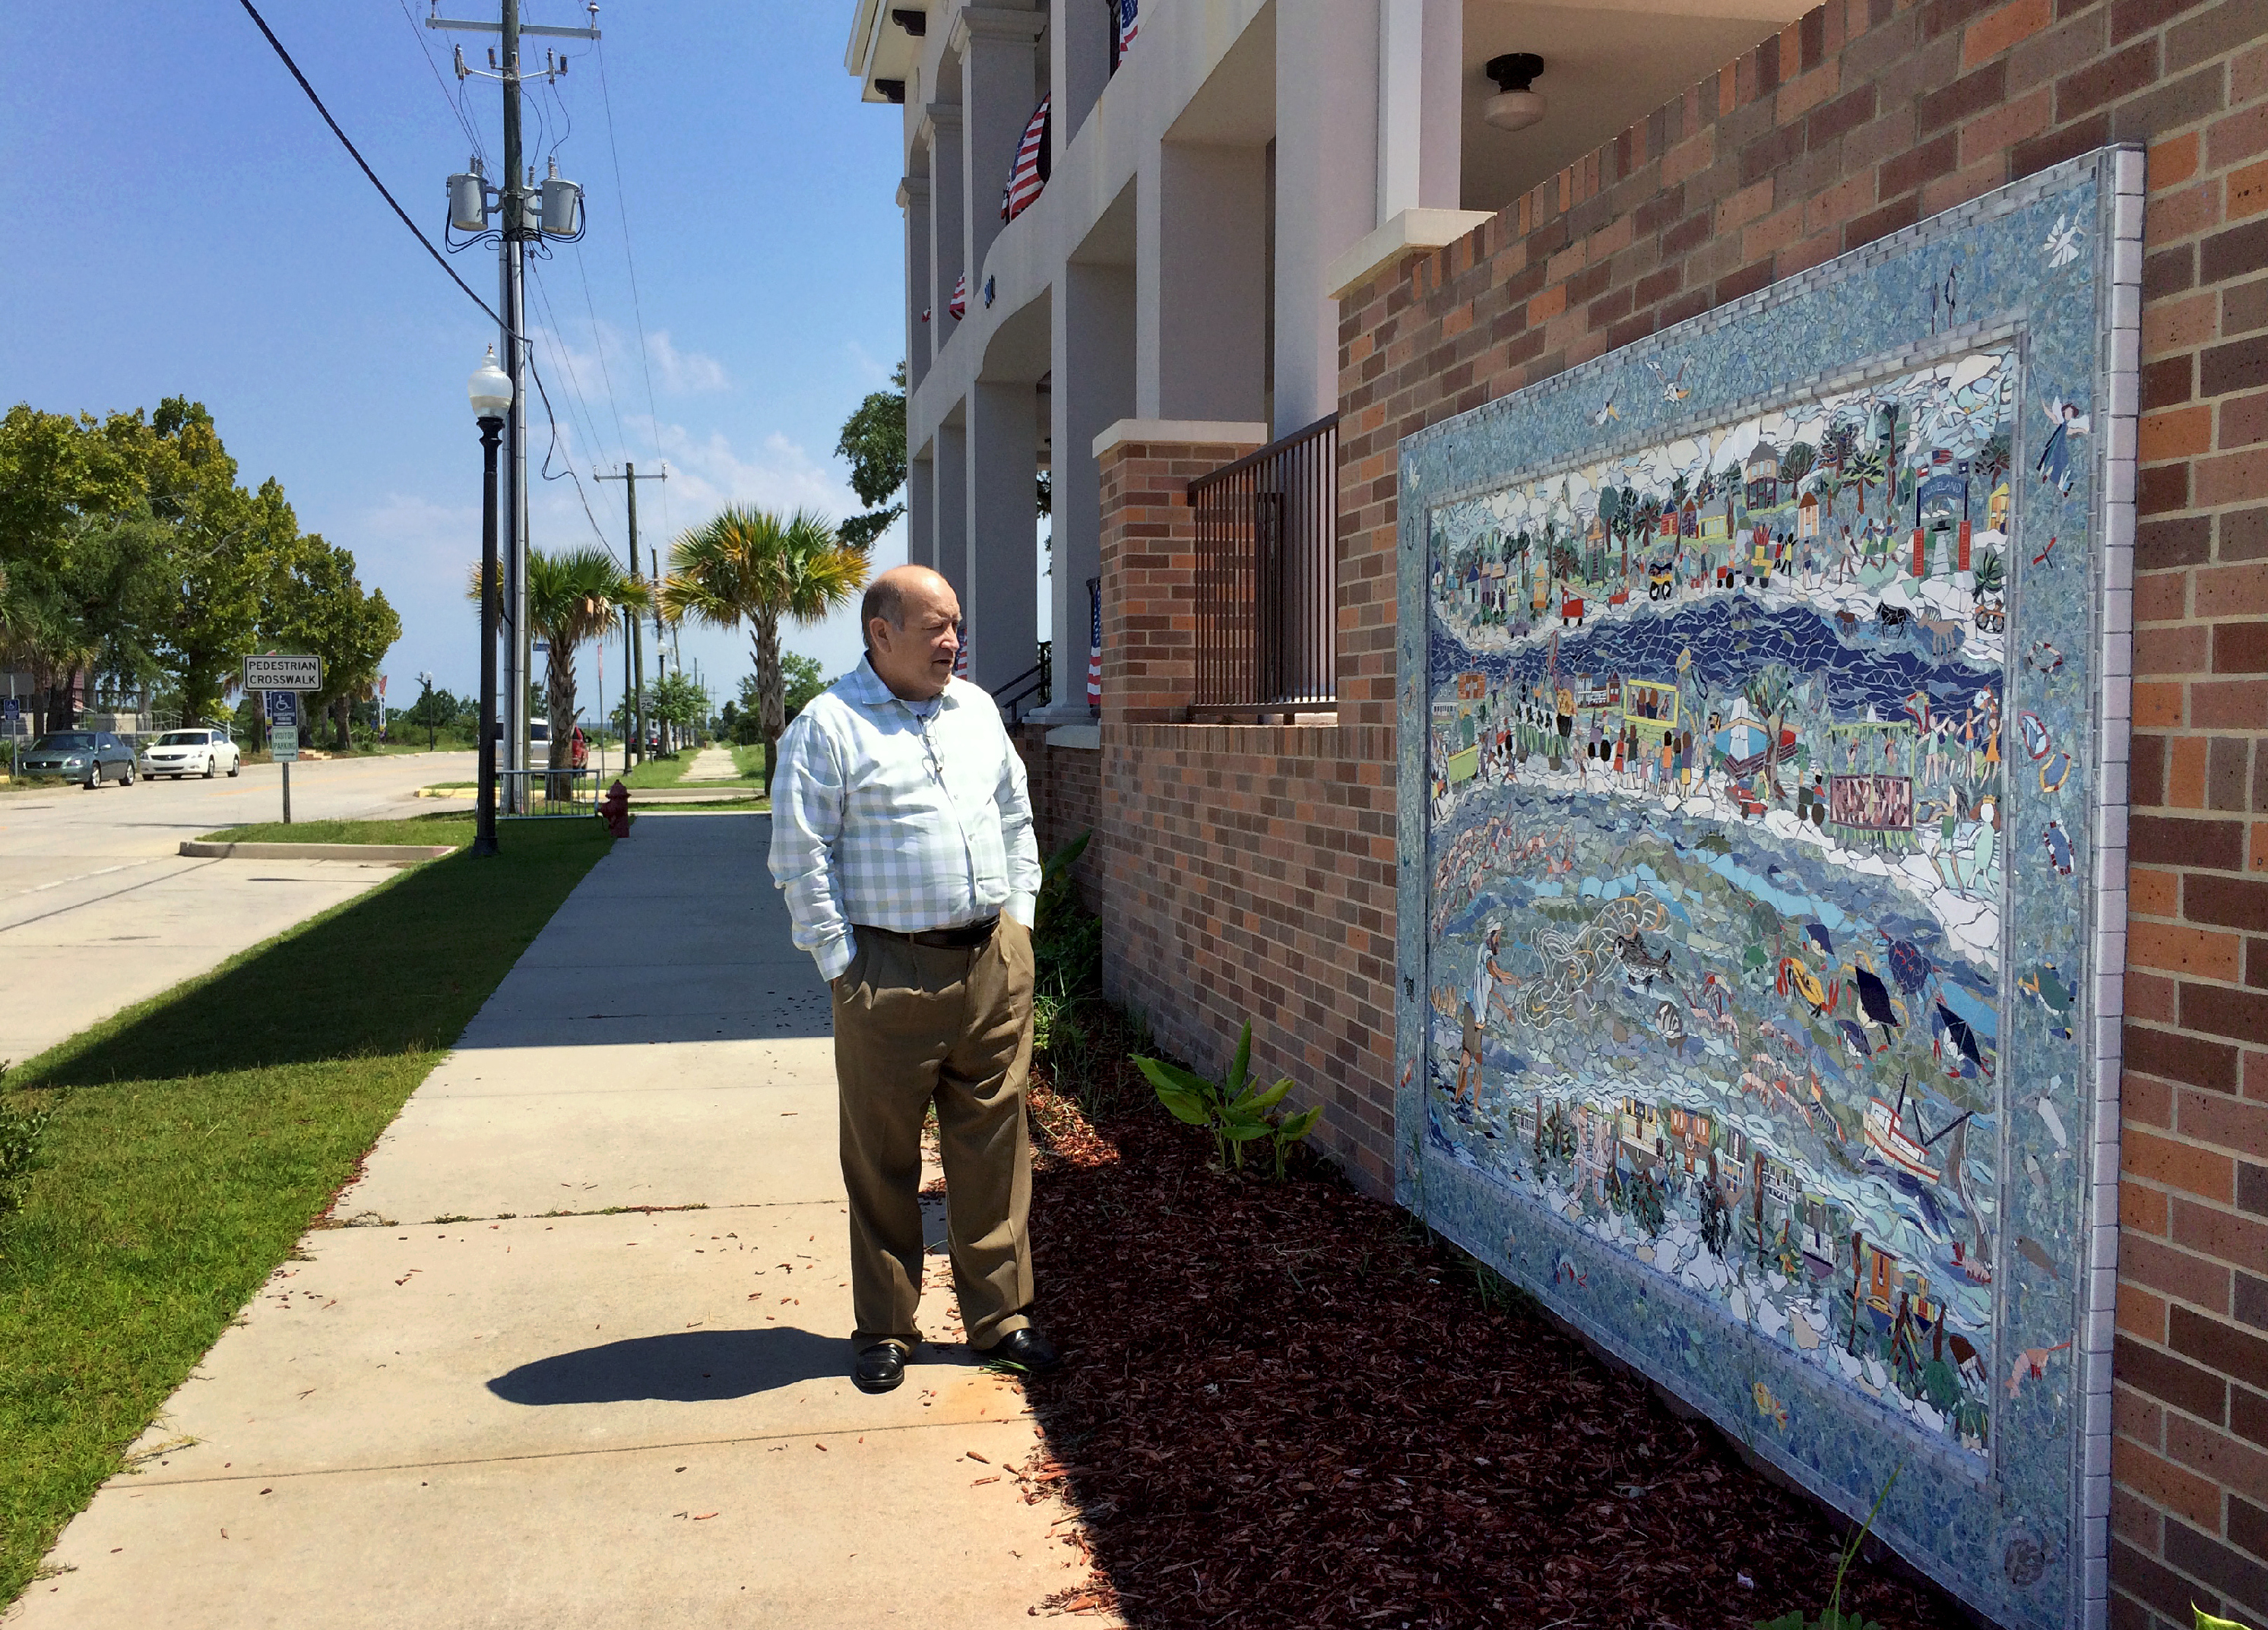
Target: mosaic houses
point(1751, 726)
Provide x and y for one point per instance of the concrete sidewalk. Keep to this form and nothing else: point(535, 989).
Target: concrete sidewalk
point(485, 1401)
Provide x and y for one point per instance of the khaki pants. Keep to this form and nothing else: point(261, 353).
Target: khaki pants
point(915, 1025)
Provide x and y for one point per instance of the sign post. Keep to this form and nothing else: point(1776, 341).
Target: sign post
point(280, 679)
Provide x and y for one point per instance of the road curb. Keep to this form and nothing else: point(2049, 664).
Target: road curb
point(379, 854)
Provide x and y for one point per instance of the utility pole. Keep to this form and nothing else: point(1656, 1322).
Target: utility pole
point(526, 211)
point(660, 651)
point(629, 478)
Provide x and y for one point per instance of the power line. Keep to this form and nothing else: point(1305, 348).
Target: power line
point(613, 404)
point(638, 307)
point(553, 333)
point(355, 154)
point(455, 102)
point(536, 373)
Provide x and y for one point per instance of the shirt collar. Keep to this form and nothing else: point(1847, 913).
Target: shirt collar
point(862, 684)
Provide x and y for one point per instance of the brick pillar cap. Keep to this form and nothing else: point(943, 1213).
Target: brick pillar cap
point(1207, 431)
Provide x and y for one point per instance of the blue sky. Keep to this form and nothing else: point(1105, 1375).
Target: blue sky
point(181, 222)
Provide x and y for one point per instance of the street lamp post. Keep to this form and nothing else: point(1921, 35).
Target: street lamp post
point(426, 706)
point(490, 391)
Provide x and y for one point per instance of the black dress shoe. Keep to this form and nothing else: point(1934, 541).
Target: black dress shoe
point(1025, 1348)
point(879, 1368)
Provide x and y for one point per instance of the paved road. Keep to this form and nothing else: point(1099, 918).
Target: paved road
point(99, 910)
point(492, 1400)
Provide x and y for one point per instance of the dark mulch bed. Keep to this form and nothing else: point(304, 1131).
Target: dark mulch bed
point(1290, 1405)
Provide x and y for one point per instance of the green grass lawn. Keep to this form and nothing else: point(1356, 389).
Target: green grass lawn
point(656, 771)
point(443, 826)
point(196, 1135)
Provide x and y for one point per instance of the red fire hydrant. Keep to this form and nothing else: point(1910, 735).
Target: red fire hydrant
point(614, 809)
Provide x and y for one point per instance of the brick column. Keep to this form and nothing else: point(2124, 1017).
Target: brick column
point(1149, 561)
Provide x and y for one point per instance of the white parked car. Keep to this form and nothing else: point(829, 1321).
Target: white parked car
point(199, 752)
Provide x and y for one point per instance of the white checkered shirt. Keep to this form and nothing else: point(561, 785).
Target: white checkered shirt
point(880, 817)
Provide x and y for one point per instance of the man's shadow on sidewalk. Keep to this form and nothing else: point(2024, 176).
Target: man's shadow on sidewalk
point(689, 1367)
point(686, 1367)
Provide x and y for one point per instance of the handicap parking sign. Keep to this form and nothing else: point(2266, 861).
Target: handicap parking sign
point(282, 707)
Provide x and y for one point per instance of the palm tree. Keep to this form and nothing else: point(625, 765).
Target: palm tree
point(749, 565)
point(570, 599)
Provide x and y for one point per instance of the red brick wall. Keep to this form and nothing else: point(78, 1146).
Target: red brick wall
point(1248, 869)
point(1859, 119)
point(1066, 786)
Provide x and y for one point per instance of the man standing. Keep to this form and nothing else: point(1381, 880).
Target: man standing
point(902, 837)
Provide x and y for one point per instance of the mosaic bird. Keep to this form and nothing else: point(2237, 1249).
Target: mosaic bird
point(1672, 389)
point(1909, 965)
point(1855, 1039)
point(1820, 937)
point(1875, 997)
point(1964, 1039)
point(2044, 985)
point(1608, 412)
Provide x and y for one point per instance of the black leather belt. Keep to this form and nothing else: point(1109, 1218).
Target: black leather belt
point(965, 937)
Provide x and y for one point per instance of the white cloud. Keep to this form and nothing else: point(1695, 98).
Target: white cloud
point(682, 373)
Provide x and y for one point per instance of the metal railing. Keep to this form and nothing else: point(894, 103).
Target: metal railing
point(1033, 687)
point(538, 794)
point(1267, 576)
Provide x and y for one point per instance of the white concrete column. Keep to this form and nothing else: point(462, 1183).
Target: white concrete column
point(1201, 283)
point(921, 508)
point(1078, 49)
point(1328, 149)
point(913, 193)
point(1420, 83)
point(1093, 359)
point(1440, 167)
point(998, 90)
point(947, 200)
point(998, 593)
point(949, 510)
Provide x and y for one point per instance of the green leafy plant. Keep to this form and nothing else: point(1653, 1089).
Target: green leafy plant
point(1991, 575)
point(2206, 1621)
point(1235, 1112)
point(1833, 1617)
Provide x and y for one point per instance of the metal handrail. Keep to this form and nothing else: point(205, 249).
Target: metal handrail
point(1035, 683)
point(1267, 550)
point(546, 794)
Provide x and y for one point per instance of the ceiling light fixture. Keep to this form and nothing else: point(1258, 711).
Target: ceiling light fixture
point(1515, 107)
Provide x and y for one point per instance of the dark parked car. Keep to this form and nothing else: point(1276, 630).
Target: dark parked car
point(89, 758)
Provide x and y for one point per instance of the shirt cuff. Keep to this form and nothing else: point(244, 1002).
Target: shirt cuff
point(1022, 906)
point(836, 957)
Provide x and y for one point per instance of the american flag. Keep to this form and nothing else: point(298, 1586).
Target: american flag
point(1128, 27)
point(959, 303)
point(1030, 174)
point(1094, 642)
point(960, 656)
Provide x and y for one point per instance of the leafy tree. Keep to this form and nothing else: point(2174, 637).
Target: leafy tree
point(873, 440)
point(1769, 690)
point(63, 487)
point(804, 681)
point(316, 605)
point(1796, 463)
point(679, 702)
point(748, 566)
point(572, 597)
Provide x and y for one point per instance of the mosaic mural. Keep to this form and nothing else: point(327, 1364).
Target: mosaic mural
point(1751, 724)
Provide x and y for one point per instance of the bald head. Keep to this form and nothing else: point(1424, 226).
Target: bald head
point(886, 596)
point(911, 621)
